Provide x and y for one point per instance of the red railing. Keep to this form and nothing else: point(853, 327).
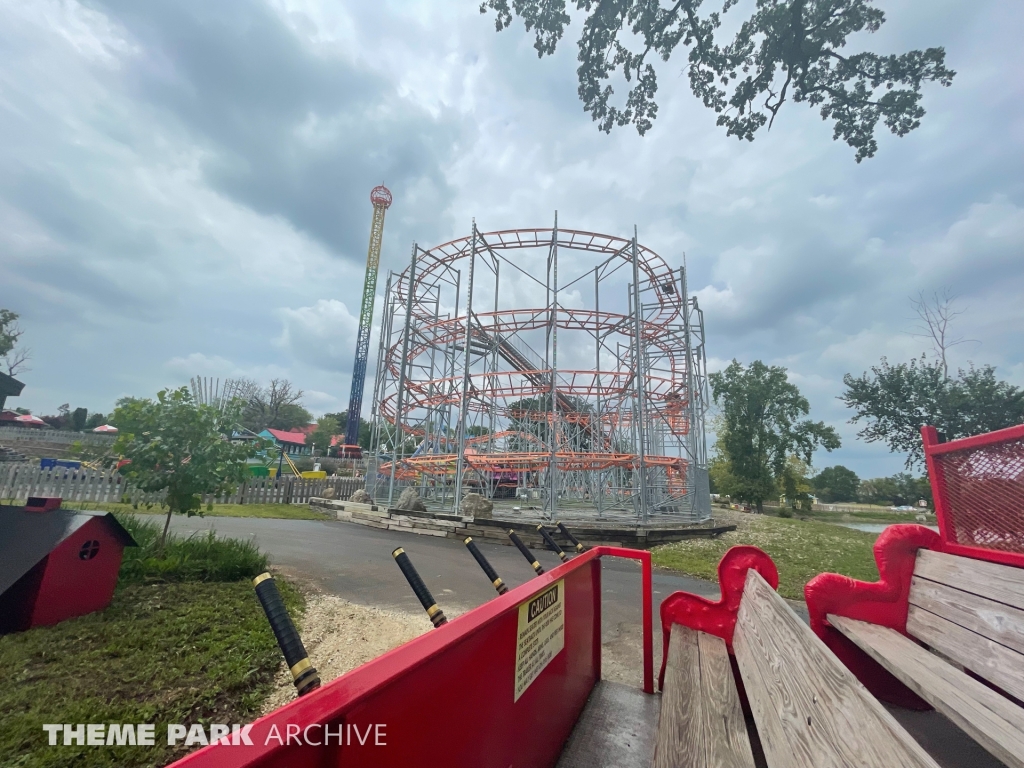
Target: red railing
point(978, 485)
point(447, 698)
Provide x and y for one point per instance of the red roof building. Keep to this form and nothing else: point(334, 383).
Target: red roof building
point(294, 443)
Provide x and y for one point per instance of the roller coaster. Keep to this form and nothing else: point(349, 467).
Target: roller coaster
point(590, 398)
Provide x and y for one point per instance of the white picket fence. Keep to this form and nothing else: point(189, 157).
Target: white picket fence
point(10, 436)
point(20, 481)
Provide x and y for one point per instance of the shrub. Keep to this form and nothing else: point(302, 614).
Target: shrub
point(196, 557)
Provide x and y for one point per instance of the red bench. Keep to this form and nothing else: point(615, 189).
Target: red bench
point(944, 625)
point(942, 628)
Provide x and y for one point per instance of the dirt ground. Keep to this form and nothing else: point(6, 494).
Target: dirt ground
point(340, 636)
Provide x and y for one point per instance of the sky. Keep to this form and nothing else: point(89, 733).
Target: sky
point(184, 191)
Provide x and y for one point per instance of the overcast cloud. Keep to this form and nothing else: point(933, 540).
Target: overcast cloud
point(184, 190)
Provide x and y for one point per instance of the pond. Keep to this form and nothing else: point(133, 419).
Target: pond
point(877, 527)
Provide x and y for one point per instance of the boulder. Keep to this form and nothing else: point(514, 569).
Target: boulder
point(474, 505)
point(410, 501)
point(328, 493)
point(361, 497)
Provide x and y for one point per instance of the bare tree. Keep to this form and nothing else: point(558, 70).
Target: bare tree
point(278, 405)
point(935, 315)
point(14, 358)
point(16, 362)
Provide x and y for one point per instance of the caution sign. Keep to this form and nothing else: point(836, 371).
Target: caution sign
point(541, 635)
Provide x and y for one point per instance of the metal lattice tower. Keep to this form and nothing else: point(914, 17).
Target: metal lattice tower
point(381, 199)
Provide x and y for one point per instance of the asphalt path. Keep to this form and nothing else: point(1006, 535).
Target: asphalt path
point(355, 563)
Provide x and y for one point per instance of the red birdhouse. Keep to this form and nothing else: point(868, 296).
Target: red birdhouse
point(56, 563)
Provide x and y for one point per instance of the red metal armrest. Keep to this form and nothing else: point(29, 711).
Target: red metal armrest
point(716, 617)
point(884, 602)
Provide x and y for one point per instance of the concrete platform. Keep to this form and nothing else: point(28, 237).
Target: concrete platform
point(589, 532)
point(617, 729)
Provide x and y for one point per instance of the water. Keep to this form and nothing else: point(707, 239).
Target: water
point(878, 527)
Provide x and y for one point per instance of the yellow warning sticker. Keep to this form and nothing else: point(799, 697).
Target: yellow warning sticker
point(541, 635)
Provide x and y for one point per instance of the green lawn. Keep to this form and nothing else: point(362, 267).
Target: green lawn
point(184, 641)
point(801, 550)
point(288, 511)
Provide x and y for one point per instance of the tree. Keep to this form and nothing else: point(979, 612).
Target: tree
point(532, 416)
point(760, 428)
point(786, 50)
point(365, 428)
point(720, 478)
point(326, 428)
point(78, 418)
point(836, 484)
point(894, 401)
point(174, 444)
point(276, 406)
point(95, 420)
point(900, 490)
point(935, 316)
point(794, 484)
point(14, 358)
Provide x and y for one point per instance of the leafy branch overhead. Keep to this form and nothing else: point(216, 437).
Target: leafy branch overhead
point(786, 50)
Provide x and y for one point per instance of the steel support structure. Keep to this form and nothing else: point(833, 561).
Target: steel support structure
point(559, 407)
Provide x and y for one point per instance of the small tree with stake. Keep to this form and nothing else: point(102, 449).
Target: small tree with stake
point(178, 445)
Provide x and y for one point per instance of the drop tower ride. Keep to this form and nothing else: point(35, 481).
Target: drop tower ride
point(380, 197)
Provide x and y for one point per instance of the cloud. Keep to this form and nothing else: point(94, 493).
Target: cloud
point(322, 335)
point(183, 191)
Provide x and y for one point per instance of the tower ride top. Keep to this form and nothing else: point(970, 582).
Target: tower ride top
point(553, 365)
point(381, 198)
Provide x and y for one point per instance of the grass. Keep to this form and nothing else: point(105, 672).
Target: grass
point(184, 641)
point(197, 557)
point(286, 511)
point(868, 516)
point(801, 550)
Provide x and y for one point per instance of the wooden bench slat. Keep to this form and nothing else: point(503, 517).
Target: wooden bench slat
point(1001, 583)
point(991, 719)
point(767, 715)
point(701, 715)
point(996, 621)
point(810, 709)
point(726, 742)
point(988, 659)
point(679, 742)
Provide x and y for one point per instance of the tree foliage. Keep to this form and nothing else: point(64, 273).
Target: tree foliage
point(836, 483)
point(326, 428)
point(902, 489)
point(77, 420)
point(532, 416)
point(275, 406)
point(894, 401)
point(760, 427)
point(784, 50)
point(365, 428)
point(794, 485)
point(177, 445)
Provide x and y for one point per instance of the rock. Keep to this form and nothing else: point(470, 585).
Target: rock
point(327, 494)
point(474, 505)
point(361, 497)
point(410, 501)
